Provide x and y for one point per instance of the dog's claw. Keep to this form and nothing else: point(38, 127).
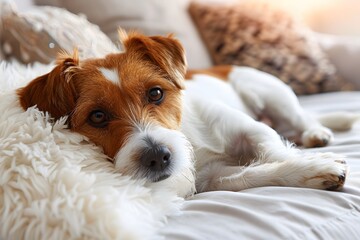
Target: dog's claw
point(330, 174)
point(341, 161)
point(336, 185)
point(325, 141)
point(317, 137)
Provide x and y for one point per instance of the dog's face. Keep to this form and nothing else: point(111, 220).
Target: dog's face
point(128, 103)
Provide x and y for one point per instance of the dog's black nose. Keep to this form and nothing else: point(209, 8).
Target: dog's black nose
point(156, 158)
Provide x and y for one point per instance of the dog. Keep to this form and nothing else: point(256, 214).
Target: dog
point(157, 121)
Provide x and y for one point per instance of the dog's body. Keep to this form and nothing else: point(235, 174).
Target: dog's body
point(222, 121)
point(133, 105)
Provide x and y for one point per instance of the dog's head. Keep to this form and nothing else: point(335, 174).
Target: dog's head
point(128, 103)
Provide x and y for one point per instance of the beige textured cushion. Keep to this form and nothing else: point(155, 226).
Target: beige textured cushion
point(39, 34)
point(254, 34)
point(152, 17)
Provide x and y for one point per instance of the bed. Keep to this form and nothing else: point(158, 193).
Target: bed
point(257, 213)
point(282, 212)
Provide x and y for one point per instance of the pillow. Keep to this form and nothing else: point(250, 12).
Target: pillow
point(344, 53)
point(41, 32)
point(254, 34)
point(151, 17)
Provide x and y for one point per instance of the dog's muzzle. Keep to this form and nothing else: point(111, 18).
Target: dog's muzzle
point(155, 153)
point(156, 159)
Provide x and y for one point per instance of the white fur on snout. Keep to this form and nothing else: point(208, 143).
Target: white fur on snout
point(182, 178)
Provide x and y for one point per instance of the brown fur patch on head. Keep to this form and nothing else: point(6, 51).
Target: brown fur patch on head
point(126, 104)
point(165, 52)
point(53, 92)
point(221, 72)
point(80, 89)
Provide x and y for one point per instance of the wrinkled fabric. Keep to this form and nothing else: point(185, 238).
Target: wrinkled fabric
point(283, 212)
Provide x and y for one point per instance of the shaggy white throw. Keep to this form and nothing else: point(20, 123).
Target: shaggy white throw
point(56, 185)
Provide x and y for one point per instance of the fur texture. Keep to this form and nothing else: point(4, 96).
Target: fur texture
point(56, 185)
point(141, 126)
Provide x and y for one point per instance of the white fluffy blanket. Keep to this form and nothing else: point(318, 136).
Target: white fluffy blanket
point(56, 185)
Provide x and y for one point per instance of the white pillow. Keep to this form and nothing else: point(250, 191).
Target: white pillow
point(344, 53)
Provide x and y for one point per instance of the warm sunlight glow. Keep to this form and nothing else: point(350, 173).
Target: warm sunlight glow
point(330, 16)
point(303, 6)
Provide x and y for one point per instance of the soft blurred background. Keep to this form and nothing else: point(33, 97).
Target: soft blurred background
point(327, 16)
point(312, 45)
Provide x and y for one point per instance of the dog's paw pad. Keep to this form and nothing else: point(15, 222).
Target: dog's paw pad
point(317, 137)
point(326, 171)
point(336, 182)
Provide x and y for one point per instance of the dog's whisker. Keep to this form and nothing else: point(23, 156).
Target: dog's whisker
point(186, 177)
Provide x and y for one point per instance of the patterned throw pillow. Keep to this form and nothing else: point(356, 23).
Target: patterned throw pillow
point(41, 32)
point(254, 34)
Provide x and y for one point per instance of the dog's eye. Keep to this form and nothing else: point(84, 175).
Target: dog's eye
point(98, 119)
point(156, 95)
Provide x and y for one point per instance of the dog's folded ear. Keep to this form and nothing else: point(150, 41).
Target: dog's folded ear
point(53, 92)
point(165, 52)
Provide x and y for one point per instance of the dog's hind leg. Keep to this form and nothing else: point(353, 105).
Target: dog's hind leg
point(266, 95)
point(319, 173)
point(235, 152)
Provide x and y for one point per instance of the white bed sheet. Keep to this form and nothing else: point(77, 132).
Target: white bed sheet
point(282, 212)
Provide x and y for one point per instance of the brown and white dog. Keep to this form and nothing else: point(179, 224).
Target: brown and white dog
point(133, 104)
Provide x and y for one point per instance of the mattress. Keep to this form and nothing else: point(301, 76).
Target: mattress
point(282, 212)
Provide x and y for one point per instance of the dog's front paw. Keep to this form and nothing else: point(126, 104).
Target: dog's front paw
point(317, 137)
point(327, 174)
point(335, 181)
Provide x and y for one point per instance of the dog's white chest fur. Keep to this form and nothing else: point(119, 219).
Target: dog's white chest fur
point(204, 98)
point(209, 89)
